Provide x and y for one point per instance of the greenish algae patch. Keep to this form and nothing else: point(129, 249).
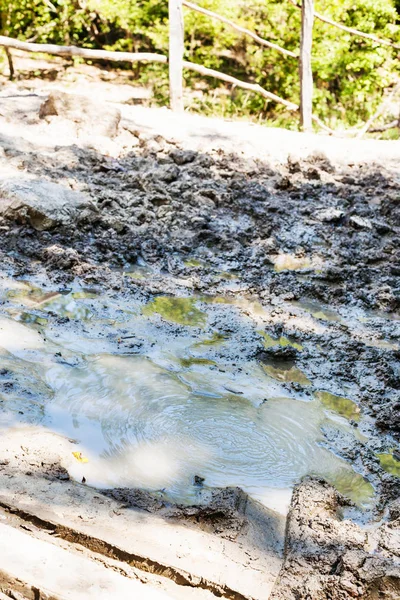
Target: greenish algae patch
point(214, 340)
point(317, 310)
point(31, 318)
point(353, 485)
point(340, 405)
point(32, 296)
point(189, 362)
point(135, 275)
point(282, 341)
point(389, 463)
point(288, 374)
point(84, 295)
point(194, 262)
point(177, 310)
point(217, 300)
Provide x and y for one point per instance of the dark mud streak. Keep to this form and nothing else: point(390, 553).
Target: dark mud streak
point(178, 576)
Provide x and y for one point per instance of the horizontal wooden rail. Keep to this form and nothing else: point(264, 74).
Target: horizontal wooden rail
point(257, 38)
point(368, 36)
point(380, 110)
point(82, 52)
point(254, 87)
point(382, 128)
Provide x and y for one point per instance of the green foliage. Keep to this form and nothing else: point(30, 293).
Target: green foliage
point(351, 73)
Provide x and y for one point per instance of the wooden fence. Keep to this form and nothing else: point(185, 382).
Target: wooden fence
point(177, 64)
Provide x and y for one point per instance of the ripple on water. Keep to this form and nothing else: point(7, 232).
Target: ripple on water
point(157, 423)
point(141, 425)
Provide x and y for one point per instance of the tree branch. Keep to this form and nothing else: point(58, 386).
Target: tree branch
point(254, 87)
point(368, 36)
point(247, 32)
point(378, 113)
point(10, 63)
point(391, 125)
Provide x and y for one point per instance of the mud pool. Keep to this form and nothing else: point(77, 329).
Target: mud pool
point(158, 395)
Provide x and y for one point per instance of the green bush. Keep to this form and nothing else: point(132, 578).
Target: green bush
point(351, 73)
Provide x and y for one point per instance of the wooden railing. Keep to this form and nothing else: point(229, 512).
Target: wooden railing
point(177, 64)
point(304, 56)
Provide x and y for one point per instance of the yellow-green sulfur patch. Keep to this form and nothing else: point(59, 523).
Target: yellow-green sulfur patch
point(26, 317)
point(289, 374)
point(283, 341)
point(214, 340)
point(177, 310)
point(353, 485)
point(193, 262)
point(389, 463)
point(188, 362)
point(340, 405)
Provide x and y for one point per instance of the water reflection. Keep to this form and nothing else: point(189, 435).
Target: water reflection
point(140, 424)
point(175, 410)
point(317, 310)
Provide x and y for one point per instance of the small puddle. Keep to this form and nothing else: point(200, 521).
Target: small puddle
point(64, 304)
point(195, 262)
point(193, 360)
point(285, 371)
point(317, 310)
point(389, 463)
point(353, 485)
point(339, 405)
point(177, 310)
point(215, 340)
point(138, 272)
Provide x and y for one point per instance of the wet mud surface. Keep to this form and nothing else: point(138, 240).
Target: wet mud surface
point(236, 263)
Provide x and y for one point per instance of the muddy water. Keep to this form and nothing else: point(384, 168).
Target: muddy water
point(146, 391)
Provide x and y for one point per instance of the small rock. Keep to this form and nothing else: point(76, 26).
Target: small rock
point(41, 204)
point(329, 215)
point(168, 173)
point(197, 480)
point(347, 585)
point(312, 173)
point(360, 222)
point(97, 119)
point(182, 157)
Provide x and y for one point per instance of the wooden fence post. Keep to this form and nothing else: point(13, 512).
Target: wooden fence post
point(306, 78)
point(176, 47)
